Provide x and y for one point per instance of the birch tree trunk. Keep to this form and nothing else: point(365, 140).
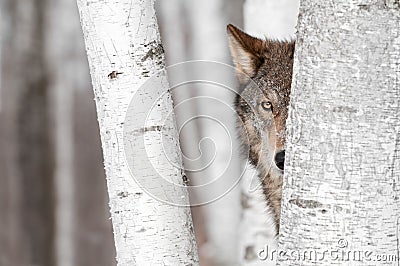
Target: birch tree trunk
point(341, 184)
point(148, 199)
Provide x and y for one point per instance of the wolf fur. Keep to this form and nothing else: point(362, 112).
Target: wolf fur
point(264, 70)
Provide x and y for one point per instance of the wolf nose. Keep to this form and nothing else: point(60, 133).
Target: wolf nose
point(280, 159)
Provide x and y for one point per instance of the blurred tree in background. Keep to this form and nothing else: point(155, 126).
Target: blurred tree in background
point(27, 164)
point(53, 199)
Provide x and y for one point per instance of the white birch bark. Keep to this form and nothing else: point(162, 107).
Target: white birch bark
point(274, 19)
point(149, 227)
point(341, 184)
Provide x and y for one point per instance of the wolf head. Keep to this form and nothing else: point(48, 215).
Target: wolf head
point(264, 69)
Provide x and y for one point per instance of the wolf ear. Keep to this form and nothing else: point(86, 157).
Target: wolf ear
point(247, 53)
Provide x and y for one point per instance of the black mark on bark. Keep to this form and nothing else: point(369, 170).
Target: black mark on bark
point(395, 4)
point(306, 204)
point(122, 195)
point(141, 131)
point(156, 51)
point(114, 74)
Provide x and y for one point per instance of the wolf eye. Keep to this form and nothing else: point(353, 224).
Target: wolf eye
point(267, 106)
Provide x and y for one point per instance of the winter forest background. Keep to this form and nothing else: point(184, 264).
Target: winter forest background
point(53, 196)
